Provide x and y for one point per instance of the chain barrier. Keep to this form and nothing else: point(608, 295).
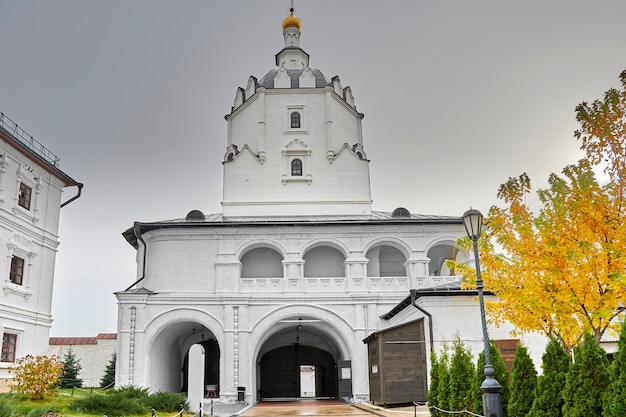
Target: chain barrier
point(433, 407)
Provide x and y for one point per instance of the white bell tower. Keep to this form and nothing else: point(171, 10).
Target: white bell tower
point(295, 145)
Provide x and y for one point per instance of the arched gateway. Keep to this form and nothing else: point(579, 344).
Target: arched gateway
point(281, 288)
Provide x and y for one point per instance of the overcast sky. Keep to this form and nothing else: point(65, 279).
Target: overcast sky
point(458, 96)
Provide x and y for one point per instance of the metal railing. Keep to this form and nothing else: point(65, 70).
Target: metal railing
point(11, 128)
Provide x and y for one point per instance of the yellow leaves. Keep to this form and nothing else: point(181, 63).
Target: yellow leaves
point(562, 271)
point(36, 376)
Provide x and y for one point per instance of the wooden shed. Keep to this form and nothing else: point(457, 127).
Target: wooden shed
point(397, 364)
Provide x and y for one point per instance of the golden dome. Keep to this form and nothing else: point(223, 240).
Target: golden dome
point(292, 21)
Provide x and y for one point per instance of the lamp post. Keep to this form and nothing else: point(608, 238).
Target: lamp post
point(492, 404)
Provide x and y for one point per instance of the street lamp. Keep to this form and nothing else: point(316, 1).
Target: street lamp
point(492, 404)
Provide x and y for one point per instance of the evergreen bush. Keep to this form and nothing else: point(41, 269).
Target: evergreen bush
point(586, 381)
point(71, 369)
point(108, 379)
point(501, 374)
point(549, 396)
point(614, 402)
point(166, 401)
point(523, 384)
point(110, 404)
point(443, 389)
point(434, 385)
point(462, 373)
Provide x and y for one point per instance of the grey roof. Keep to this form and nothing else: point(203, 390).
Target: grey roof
point(267, 80)
point(213, 220)
point(449, 289)
point(376, 216)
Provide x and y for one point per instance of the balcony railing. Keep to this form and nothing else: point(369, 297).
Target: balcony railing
point(12, 128)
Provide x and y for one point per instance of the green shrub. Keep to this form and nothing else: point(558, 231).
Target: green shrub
point(434, 385)
point(549, 398)
point(614, 404)
point(501, 374)
point(523, 383)
point(461, 376)
point(110, 404)
point(130, 392)
point(166, 401)
point(586, 380)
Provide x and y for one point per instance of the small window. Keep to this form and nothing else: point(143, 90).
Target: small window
point(296, 168)
point(23, 199)
point(295, 120)
point(17, 270)
point(9, 341)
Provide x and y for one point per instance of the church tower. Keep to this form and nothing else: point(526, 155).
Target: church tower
point(295, 144)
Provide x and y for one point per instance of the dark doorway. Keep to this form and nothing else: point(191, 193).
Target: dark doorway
point(211, 365)
point(281, 371)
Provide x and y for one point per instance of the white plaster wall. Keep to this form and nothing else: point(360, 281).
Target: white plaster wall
point(93, 358)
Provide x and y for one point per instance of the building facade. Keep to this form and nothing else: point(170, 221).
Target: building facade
point(281, 288)
point(31, 186)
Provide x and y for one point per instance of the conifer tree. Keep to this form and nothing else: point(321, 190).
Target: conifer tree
point(615, 400)
point(523, 383)
point(586, 381)
point(108, 379)
point(501, 373)
point(461, 377)
point(71, 369)
point(431, 397)
point(443, 389)
point(549, 397)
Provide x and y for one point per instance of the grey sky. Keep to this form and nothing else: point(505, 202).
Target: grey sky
point(458, 96)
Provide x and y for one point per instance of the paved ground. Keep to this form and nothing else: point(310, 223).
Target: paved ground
point(315, 408)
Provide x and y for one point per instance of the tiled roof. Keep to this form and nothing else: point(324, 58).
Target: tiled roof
point(73, 341)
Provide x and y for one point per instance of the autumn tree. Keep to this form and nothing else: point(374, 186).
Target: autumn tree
point(561, 270)
point(36, 376)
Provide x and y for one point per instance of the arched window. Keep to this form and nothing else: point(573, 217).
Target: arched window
point(295, 120)
point(296, 168)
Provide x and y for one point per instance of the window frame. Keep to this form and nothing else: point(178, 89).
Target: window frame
point(16, 271)
point(289, 111)
point(295, 120)
point(296, 167)
point(9, 347)
point(24, 196)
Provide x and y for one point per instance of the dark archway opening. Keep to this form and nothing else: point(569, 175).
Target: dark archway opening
point(211, 366)
point(281, 372)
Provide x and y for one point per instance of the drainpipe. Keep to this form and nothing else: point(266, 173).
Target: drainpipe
point(80, 188)
point(137, 231)
point(430, 319)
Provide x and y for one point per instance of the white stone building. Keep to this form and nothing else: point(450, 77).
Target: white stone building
point(31, 185)
point(297, 270)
